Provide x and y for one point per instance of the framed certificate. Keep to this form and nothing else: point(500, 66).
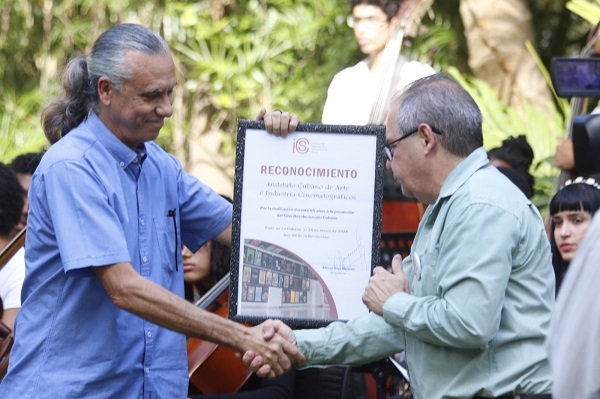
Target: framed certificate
point(306, 222)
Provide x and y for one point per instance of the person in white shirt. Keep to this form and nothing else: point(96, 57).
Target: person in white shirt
point(13, 272)
point(353, 91)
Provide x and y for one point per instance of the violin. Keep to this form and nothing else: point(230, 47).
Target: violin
point(213, 368)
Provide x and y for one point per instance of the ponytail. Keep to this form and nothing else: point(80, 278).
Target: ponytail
point(64, 114)
point(81, 75)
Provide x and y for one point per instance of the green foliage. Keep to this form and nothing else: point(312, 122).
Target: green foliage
point(36, 40)
point(267, 55)
point(588, 10)
point(441, 41)
point(558, 31)
point(235, 56)
point(18, 113)
point(540, 126)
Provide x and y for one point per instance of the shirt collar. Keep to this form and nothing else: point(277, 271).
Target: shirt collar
point(459, 175)
point(122, 154)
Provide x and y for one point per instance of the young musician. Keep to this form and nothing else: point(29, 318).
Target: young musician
point(353, 91)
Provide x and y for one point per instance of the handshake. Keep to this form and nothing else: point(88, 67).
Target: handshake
point(274, 349)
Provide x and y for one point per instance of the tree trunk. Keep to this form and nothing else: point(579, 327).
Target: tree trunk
point(496, 33)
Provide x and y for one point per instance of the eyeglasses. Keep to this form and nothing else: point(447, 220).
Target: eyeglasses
point(371, 22)
point(389, 147)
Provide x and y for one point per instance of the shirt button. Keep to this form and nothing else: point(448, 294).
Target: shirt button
point(147, 370)
point(142, 222)
point(144, 259)
point(149, 334)
point(121, 164)
point(135, 160)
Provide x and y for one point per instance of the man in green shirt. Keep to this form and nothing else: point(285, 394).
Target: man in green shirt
point(471, 305)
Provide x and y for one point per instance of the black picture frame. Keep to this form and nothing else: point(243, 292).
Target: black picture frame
point(281, 271)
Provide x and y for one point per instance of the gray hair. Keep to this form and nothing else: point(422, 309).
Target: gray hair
point(441, 102)
point(80, 76)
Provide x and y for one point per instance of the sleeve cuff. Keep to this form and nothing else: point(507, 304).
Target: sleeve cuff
point(395, 308)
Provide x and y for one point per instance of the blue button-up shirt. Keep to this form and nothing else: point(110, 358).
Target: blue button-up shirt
point(480, 301)
point(95, 202)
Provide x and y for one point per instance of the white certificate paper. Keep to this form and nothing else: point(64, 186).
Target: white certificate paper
point(307, 218)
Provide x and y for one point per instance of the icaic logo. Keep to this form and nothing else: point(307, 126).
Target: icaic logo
point(300, 146)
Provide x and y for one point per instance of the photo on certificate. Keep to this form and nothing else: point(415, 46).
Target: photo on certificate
point(306, 222)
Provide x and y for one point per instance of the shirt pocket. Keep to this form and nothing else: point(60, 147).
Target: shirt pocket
point(168, 241)
point(426, 283)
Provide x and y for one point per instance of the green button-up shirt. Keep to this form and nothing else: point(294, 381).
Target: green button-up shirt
point(480, 301)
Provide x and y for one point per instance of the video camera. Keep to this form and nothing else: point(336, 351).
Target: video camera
point(580, 77)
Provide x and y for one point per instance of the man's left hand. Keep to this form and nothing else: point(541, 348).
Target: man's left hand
point(278, 122)
point(384, 284)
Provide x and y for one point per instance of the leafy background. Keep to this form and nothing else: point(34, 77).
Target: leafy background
point(234, 56)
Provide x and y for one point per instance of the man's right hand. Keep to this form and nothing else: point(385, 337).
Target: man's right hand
point(278, 122)
point(274, 331)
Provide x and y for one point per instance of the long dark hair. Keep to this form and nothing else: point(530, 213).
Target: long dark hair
point(581, 196)
point(220, 256)
point(11, 200)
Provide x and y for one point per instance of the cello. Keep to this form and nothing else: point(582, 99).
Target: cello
point(400, 215)
point(208, 363)
point(409, 17)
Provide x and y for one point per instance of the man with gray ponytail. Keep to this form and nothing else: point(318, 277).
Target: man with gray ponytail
point(103, 313)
